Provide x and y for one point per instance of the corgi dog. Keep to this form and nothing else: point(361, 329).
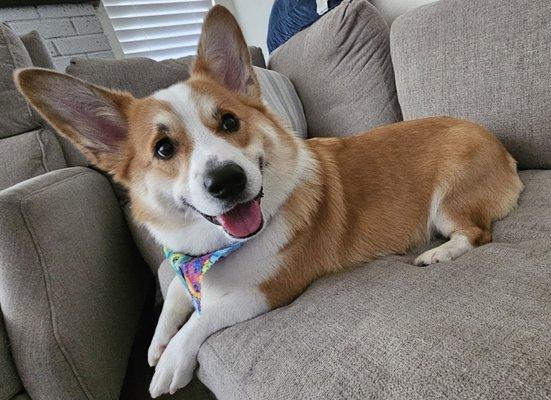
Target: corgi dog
point(207, 164)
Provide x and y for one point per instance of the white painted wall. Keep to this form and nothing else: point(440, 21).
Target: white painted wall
point(253, 16)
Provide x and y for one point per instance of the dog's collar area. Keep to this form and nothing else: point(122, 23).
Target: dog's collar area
point(192, 269)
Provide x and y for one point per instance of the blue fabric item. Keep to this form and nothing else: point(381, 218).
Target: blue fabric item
point(291, 16)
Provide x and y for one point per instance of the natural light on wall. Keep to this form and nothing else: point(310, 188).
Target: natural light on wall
point(157, 29)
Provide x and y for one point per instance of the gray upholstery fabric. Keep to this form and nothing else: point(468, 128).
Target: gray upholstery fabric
point(278, 92)
point(341, 69)
point(487, 61)
point(474, 328)
point(36, 47)
point(257, 57)
point(9, 378)
point(73, 156)
point(72, 288)
point(27, 155)
point(15, 114)
point(21, 396)
point(149, 248)
point(139, 76)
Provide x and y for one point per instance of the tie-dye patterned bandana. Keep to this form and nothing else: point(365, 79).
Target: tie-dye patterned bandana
point(192, 269)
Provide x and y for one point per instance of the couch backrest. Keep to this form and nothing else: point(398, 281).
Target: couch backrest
point(26, 148)
point(488, 61)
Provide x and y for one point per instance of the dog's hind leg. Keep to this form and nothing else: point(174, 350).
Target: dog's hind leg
point(476, 186)
point(176, 308)
point(461, 241)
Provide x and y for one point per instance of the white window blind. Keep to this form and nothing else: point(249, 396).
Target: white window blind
point(157, 29)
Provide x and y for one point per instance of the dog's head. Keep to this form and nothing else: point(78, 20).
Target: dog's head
point(198, 154)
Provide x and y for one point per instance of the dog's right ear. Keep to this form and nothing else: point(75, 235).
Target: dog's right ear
point(93, 118)
point(223, 55)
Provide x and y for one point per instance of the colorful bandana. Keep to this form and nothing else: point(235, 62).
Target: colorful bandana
point(191, 269)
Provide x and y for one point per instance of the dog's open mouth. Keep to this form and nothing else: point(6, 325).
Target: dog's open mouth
point(243, 220)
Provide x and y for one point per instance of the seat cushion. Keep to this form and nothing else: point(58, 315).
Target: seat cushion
point(341, 69)
point(475, 328)
point(27, 155)
point(488, 61)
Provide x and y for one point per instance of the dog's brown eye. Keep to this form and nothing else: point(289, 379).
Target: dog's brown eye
point(229, 123)
point(164, 149)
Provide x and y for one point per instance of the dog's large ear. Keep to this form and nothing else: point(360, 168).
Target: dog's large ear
point(223, 54)
point(93, 118)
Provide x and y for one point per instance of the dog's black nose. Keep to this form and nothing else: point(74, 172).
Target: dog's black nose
point(226, 182)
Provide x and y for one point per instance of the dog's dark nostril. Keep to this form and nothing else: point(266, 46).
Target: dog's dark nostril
point(226, 182)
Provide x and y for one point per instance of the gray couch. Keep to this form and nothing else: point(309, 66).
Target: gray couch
point(78, 298)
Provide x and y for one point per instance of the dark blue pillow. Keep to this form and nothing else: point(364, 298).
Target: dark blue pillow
point(291, 16)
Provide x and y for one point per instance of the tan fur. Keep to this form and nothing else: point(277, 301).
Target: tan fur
point(372, 196)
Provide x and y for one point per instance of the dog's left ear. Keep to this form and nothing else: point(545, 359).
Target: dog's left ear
point(93, 118)
point(223, 54)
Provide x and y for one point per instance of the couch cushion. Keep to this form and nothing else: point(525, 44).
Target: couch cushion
point(474, 328)
point(488, 61)
point(139, 76)
point(341, 69)
point(16, 115)
point(280, 95)
point(27, 155)
point(257, 57)
point(71, 296)
point(36, 47)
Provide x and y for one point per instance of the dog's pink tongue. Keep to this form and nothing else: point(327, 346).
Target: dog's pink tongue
point(243, 220)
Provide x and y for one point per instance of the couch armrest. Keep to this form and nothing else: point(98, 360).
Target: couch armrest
point(71, 284)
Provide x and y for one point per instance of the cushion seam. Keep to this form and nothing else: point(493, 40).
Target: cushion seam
point(43, 150)
point(227, 367)
point(390, 101)
point(38, 250)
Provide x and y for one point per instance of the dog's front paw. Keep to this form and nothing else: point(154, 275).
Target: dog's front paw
point(155, 352)
point(158, 345)
point(174, 371)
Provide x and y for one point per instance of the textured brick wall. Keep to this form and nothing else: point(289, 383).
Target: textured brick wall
point(69, 30)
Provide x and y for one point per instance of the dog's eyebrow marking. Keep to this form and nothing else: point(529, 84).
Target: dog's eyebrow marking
point(162, 128)
point(205, 104)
